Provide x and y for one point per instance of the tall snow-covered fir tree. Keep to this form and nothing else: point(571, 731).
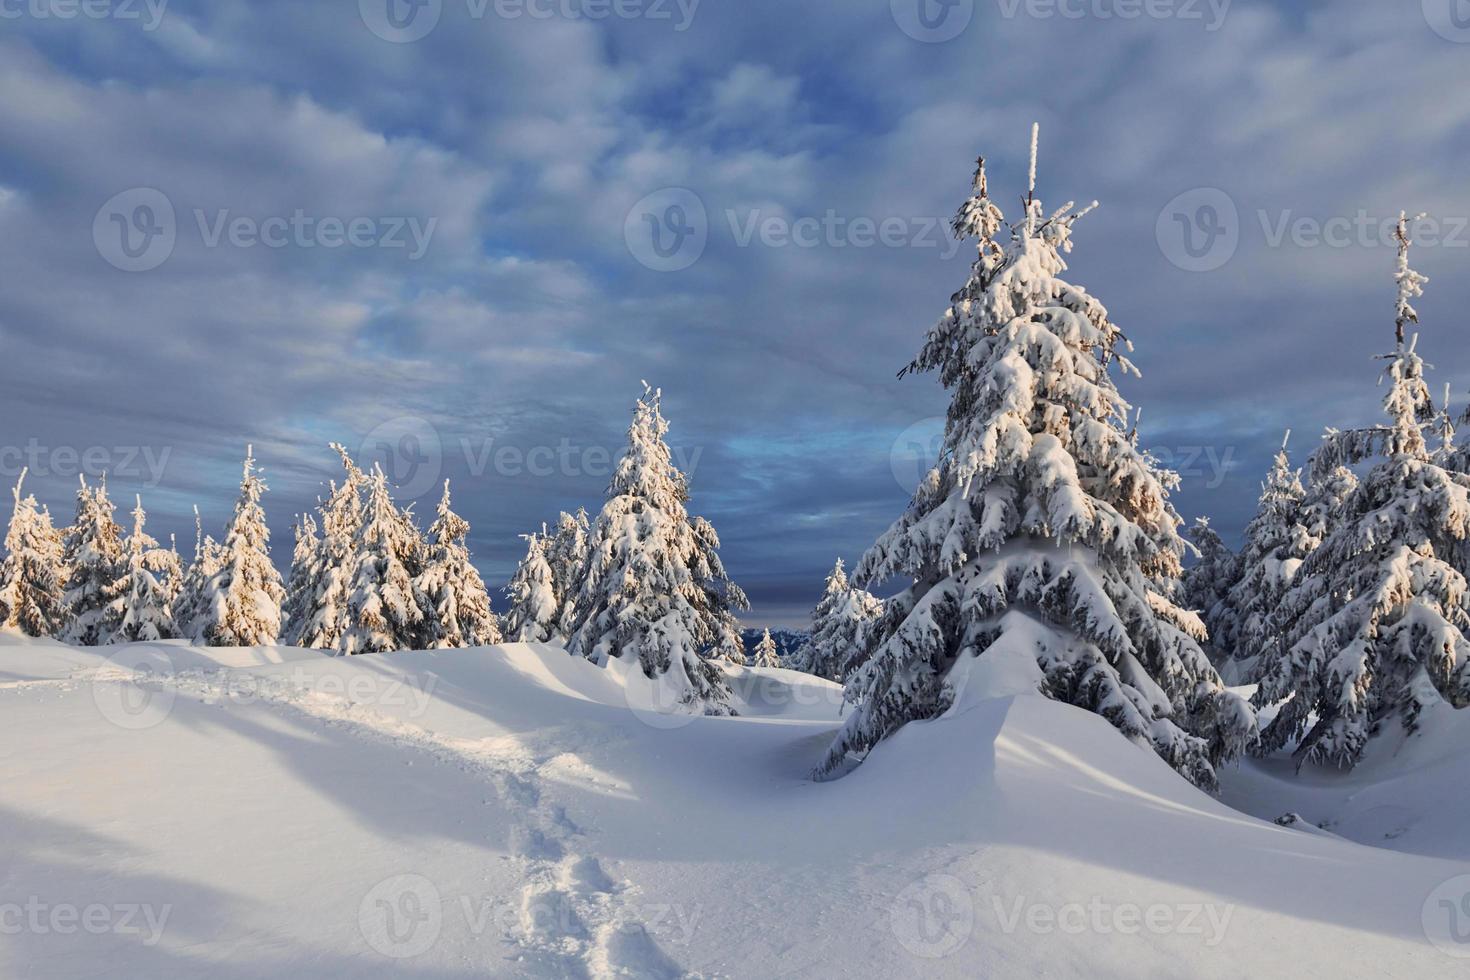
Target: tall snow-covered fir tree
point(243, 605)
point(301, 581)
point(324, 613)
point(566, 553)
point(722, 597)
point(765, 654)
point(1381, 613)
point(33, 576)
point(1277, 541)
point(452, 595)
point(383, 610)
point(168, 570)
point(533, 615)
point(646, 592)
point(840, 622)
point(1207, 583)
point(196, 596)
point(1041, 506)
point(143, 607)
point(94, 558)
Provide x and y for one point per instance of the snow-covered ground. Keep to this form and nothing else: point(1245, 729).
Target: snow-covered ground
point(515, 812)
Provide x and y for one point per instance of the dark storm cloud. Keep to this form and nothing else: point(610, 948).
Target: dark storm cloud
point(824, 145)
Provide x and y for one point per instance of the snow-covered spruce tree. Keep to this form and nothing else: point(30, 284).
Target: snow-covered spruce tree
point(566, 553)
point(301, 580)
point(1383, 614)
point(1041, 507)
point(383, 610)
point(765, 654)
point(533, 615)
point(324, 616)
point(33, 575)
point(451, 593)
point(1208, 581)
point(168, 570)
point(722, 597)
point(143, 611)
point(840, 622)
point(243, 604)
point(1277, 541)
point(645, 593)
point(195, 596)
point(94, 556)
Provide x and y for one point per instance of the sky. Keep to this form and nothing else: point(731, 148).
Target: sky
point(457, 236)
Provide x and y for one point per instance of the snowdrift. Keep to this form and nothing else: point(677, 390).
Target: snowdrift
point(515, 812)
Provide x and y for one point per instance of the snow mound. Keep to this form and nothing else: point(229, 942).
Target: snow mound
point(513, 811)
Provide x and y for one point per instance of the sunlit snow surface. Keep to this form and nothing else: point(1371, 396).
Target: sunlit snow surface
point(516, 812)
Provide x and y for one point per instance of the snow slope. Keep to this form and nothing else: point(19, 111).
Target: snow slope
point(1409, 794)
point(505, 812)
